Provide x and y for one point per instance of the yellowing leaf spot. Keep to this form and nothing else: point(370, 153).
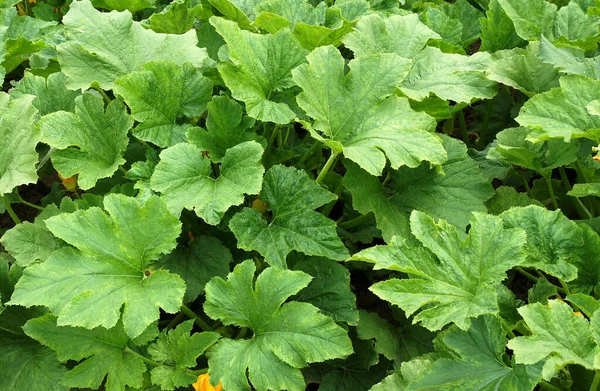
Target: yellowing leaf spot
point(203, 384)
point(578, 314)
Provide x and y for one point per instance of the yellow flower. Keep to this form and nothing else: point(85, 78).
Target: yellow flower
point(203, 384)
point(69, 183)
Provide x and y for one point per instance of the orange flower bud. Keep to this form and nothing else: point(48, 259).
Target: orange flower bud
point(203, 384)
point(578, 314)
point(69, 183)
point(259, 206)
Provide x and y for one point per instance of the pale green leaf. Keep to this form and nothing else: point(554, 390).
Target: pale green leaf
point(587, 262)
point(104, 352)
point(403, 35)
point(101, 47)
point(452, 191)
point(226, 127)
point(480, 364)
point(552, 239)
point(291, 197)
point(561, 112)
point(159, 95)
point(523, 70)
point(18, 139)
point(570, 60)
point(122, 5)
point(177, 351)
point(548, 339)
point(451, 279)
point(358, 113)
point(177, 18)
point(108, 267)
point(286, 337)
point(573, 25)
point(50, 94)
point(90, 142)
point(449, 29)
point(468, 16)
point(449, 76)
point(531, 18)
point(581, 190)
point(184, 177)
point(260, 68)
point(272, 15)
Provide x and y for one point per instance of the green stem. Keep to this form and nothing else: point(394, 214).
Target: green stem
point(595, 382)
point(123, 170)
point(355, 222)
point(551, 191)
point(582, 176)
point(197, 319)
point(10, 211)
point(483, 134)
point(142, 357)
point(45, 158)
point(77, 195)
point(565, 287)
point(526, 274)
point(582, 210)
point(198, 372)
point(22, 201)
point(279, 137)
point(464, 133)
point(175, 321)
point(310, 151)
point(330, 162)
point(525, 184)
point(242, 333)
point(338, 190)
point(107, 100)
point(508, 329)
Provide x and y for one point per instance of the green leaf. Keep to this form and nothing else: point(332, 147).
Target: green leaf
point(523, 70)
point(513, 148)
point(108, 268)
point(122, 5)
point(160, 94)
point(27, 365)
point(531, 18)
point(291, 197)
point(177, 18)
point(507, 197)
point(329, 290)
point(286, 337)
point(176, 351)
point(359, 114)
point(403, 35)
point(226, 127)
point(239, 11)
point(204, 258)
point(549, 341)
point(570, 60)
point(449, 76)
point(90, 142)
point(497, 30)
point(104, 352)
point(552, 239)
point(480, 364)
point(449, 29)
point(272, 15)
point(452, 191)
point(260, 68)
point(50, 94)
point(395, 343)
point(581, 190)
point(468, 16)
point(184, 178)
point(337, 24)
point(587, 262)
point(451, 279)
point(572, 25)
point(18, 140)
point(29, 242)
point(101, 47)
point(561, 112)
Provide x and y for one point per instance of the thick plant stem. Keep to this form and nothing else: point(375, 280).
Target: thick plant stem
point(330, 162)
point(198, 372)
point(582, 210)
point(483, 134)
point(464, 133)
point(595, 382)
point(526, 274)
point(31, 205)
point(10, 211)
point(551, 191)
point(309, 152)
point(175, 321)
point(544, 385)
point(197, 319)
point(355, 222)
point(101, 92)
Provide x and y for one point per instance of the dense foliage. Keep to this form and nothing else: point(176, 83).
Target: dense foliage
point(339, 195)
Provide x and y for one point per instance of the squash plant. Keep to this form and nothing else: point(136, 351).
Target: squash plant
point(299, 195)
